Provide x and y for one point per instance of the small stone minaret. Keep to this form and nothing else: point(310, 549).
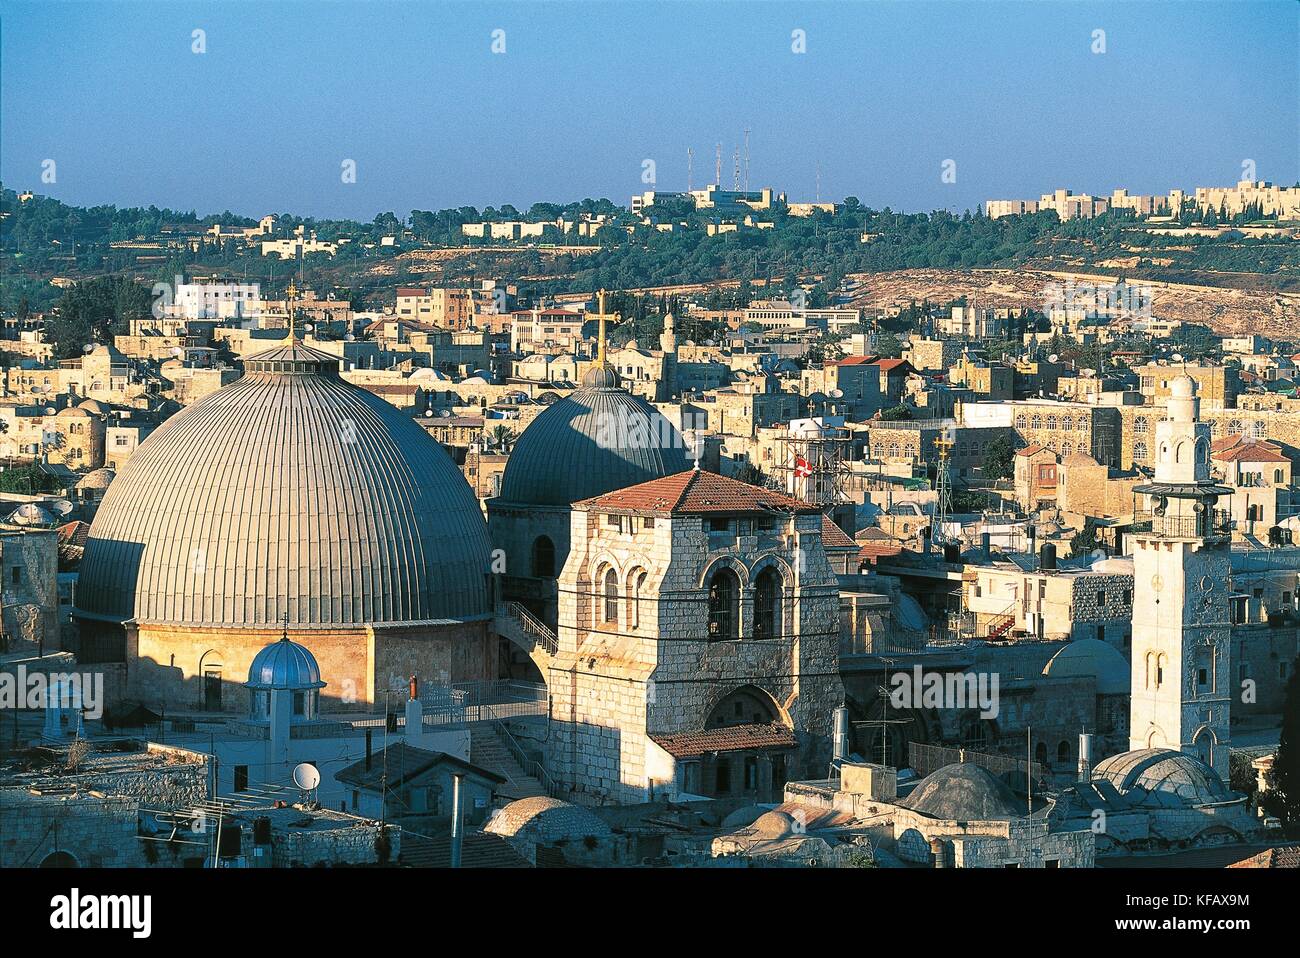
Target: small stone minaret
point(668, 343)
point(1182, 684)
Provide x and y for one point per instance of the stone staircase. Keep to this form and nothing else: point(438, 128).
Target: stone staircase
point(488, 750)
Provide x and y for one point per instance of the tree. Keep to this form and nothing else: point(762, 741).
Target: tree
point(897, 413)
point(1000, 459)
point(1085, 540)
point(1283, 799)
point(94, 311)
point(502, 437)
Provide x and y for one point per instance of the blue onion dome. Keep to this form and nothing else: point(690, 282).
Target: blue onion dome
point(284, 665)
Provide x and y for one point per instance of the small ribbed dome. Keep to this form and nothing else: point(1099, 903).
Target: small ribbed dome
point(603, 376)
point(594, 441)
point(1096, 658)
point(284, 665)
point(289, 493)
point(96, 479)
point(963, 793)
point(1156, 776)
point(543, 819)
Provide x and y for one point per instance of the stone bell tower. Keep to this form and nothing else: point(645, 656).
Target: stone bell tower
point(1182, 683)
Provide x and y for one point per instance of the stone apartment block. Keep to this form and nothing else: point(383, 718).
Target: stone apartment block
point(698, 643)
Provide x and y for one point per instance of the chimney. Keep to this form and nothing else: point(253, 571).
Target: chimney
point(414, 713)
point(1085, 757)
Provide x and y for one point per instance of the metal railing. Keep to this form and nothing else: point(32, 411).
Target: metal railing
point(530, 766)
point(503, 698)
point(1211, 524)
point(534, 627)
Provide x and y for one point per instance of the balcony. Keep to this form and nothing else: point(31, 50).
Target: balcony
point(1212, 524)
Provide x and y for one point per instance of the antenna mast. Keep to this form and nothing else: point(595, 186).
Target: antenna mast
point(735, 176)
point(746, 159)
point(690, 167)
point(717, 165)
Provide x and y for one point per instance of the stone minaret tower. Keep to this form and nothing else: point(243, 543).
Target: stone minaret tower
point(668, 343)
point(1182, 684)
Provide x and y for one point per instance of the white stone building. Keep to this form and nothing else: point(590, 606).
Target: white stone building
point(698, 643)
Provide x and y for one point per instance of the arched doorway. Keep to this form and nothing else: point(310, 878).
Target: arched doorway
point(60, 859)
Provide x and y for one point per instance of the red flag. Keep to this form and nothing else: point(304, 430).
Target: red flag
point(802, 470)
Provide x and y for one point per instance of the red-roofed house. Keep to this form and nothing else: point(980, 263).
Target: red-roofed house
point(1260, 478)
point(693, 575)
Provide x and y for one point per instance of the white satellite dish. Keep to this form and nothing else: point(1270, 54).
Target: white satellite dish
point(1177, 357)
point(306, 776)
point(61, 506)
point(445, 414)
point(1052, 358)
point(837, 393)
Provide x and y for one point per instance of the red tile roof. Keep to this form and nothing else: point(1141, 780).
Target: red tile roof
point(696, 492)
point(1250, 452)
point(854, 361)
point(833, 537)
point(1284, 856)
point(733, 738)
point(889, 365)
point(1030, 450)
point(411, 291)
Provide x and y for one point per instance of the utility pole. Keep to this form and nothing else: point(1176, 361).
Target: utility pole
point(717, 165)
point(690, 167)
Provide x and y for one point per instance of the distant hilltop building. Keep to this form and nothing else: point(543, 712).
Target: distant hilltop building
point(1264, 198)
point(1268, 199)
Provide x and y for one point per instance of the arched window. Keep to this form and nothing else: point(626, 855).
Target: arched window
point(610, 616)
point(1235, 427)
point(1140, 425)
point(1260, 429)
point(1036, 422)
point(1139, 450)
point(724, 606)
point(1063, 752)
point(1040, 753)
point(1066, 448)
point(1051, 422)
point(767, 604)
point(544, 558)
point(1020, 421)
point(636, 586)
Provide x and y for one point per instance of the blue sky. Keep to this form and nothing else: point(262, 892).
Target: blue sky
point(585, 92)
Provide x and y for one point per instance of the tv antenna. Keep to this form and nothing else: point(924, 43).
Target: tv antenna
point(690, 167)
point(746, 159)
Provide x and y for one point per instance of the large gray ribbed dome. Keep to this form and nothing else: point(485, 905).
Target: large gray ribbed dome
point(287, 493)
point(596, 440)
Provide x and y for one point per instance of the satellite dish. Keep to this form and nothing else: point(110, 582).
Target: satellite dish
point(88, 348)
point(306, 776)
point(349, 338)
point(445, 414)
point(1177, 357)
point(1052, 358)
point(61, 506)
point(837, 393)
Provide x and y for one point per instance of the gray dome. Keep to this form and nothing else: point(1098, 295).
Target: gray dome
point(1159, 776)
point(1092, 657)
point(598, 439)
point(544, 819)
point(963, 793)
point(289, 493)
point(284, 665)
